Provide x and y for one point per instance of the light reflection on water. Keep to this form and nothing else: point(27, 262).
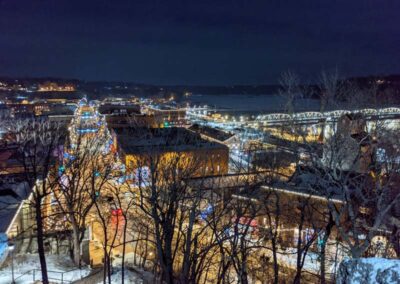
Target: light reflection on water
point(251, 103)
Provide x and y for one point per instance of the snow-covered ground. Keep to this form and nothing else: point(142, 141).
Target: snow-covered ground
point(311, 263)
point(27, 269)
point(289, 258)
point(129, 278)
point(129, 262)
point(369, 270)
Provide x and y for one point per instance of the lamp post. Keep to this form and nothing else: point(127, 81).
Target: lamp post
point(11, 249)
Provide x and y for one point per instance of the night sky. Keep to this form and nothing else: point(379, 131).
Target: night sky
point(198, 42)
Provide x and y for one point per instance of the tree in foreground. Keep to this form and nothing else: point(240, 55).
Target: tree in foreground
point(84, 172)
point(39, 149)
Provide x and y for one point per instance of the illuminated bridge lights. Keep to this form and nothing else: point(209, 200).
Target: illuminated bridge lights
point(312, 115)
point(302, 116)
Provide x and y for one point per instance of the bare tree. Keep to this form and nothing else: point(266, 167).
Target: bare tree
point(289, 90)
point(78, 184)
point(39, 146)
point(330, 86)
point(167, 195)
point(124, 203)
point(163, 201)
point(107, 213)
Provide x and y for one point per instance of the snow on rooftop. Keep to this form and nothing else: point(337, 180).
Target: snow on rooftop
point(174, 138)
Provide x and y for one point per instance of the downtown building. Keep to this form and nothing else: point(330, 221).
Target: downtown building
point(138, 148)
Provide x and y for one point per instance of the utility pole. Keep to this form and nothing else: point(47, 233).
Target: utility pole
point(11, 249)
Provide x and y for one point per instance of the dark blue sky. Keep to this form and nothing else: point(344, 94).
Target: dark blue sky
point(198, 42)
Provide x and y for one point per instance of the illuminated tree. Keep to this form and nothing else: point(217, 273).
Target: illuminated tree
point(82, 176)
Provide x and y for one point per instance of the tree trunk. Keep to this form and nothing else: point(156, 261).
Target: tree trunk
point(323, 280)
point(107, 273)
point(224, 265)
point(77, 252)
point(76, 244)
point(104, 267)
point(109, 265)
point(328, 230)
point(123, 250)
point(300, 251)
point(40, 242)
point(243, 270)
point(135, 252)
point(146, 248)
point(164, 255)
point(188, 249)
point(104, 271)
point(297, 277)
point(275, 259)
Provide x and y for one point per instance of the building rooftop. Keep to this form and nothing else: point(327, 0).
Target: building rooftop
point(123, 109)
point(290, 189)
point(11, 197)
point(211, 132)
point(139, 140)
point(9, 162)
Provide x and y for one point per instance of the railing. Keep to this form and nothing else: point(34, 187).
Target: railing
point(304, 116)
point(54, 276)
point(328, 114)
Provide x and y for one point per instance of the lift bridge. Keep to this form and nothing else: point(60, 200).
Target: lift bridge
point(305, 118)
point(312, 117)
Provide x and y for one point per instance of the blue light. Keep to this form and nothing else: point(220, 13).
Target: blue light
point(61, 170)
point(87, 130)
point(87, 116)
point(204, 214)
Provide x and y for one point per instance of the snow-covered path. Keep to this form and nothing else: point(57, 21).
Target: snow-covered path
point(129, 278)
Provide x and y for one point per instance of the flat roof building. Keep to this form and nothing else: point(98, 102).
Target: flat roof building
point(139, 145)
point(213, 133)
